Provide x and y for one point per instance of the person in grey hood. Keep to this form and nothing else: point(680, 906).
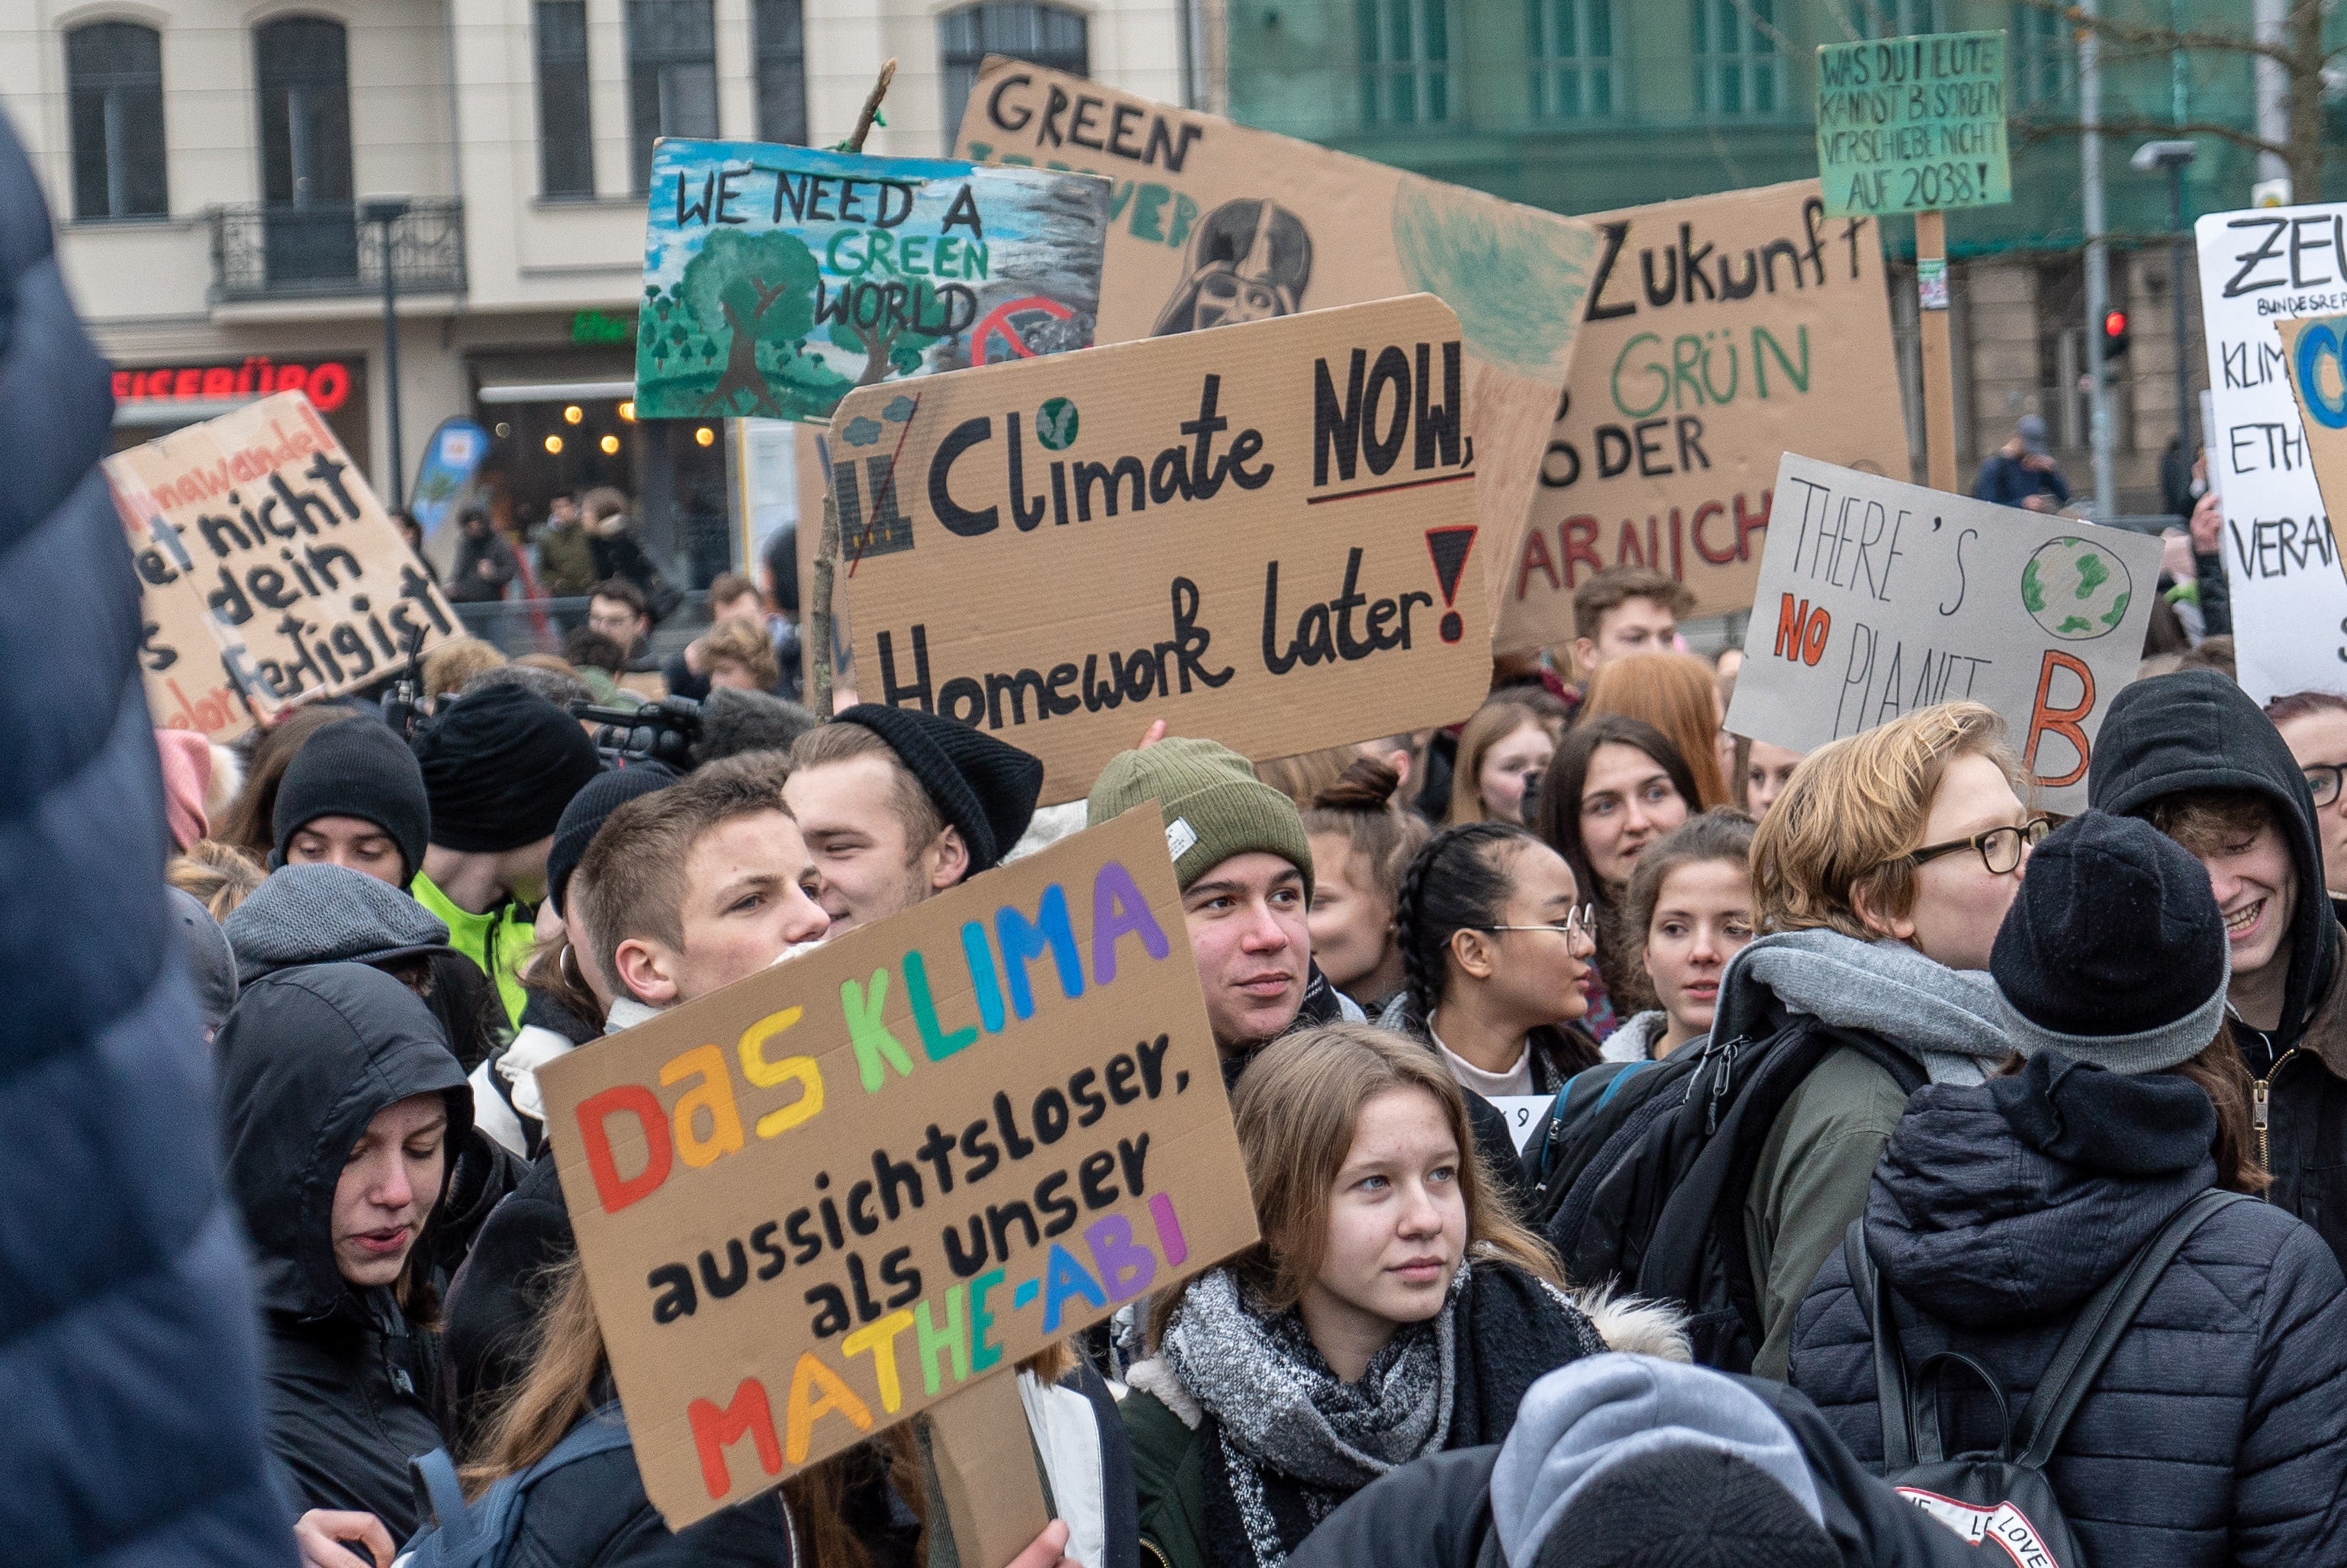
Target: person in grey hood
point(2211, 1437)
point(339, 1101)
point(1882, 873)
point(2192, 755)
point(1623, 1462)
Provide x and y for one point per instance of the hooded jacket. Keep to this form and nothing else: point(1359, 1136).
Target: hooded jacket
point(1810, 1180)
point(2195, 729)
point(130, 1430)
point(1462, 1508)
point(306, 1061)
point(2211, 1437)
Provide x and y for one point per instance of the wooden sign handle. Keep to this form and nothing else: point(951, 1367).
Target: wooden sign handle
point(1939, 384)
point(984, 1467)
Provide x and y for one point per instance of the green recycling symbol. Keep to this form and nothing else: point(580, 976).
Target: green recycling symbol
point(1055, 424)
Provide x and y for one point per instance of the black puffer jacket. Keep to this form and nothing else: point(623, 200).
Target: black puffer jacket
point(2212, 1436)
point(306, 1060)
point(2195, 730)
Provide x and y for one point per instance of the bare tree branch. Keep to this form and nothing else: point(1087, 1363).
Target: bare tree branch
point(2030, 131)
point(2164, 38)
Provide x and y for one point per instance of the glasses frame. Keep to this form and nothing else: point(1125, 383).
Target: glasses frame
point(2336, 775)
point(1579, 921)
point(2031, 834)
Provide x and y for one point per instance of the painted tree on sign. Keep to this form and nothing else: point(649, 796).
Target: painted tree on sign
point(748, 289)
point(889, 343)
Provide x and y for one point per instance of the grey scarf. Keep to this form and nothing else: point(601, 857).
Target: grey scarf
point(1948, 1019)
point(1284, 1417)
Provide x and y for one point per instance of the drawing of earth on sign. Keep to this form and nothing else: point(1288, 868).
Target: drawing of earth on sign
point(2076, 590)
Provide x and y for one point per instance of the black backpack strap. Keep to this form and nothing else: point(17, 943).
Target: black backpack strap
point(1890, 1365)
point(2096, 1332)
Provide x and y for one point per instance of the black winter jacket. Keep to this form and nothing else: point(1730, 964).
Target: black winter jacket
point(131, 1423)
point(2212, 1436)
point(306, 1060)
point(494, 1301)
point(2195, 730)
point(1436, 1512)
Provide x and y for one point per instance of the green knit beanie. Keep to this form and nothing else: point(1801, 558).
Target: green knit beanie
point(1215, 806)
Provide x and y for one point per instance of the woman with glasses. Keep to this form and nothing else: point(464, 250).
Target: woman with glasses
point(1495, 944)
point(2313, 725)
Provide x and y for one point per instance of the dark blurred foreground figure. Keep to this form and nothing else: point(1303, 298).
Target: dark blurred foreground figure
point(132, 1430)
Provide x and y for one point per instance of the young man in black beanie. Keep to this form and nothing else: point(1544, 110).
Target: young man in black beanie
point(898, 806)
point(353, 796)
point(2193, 755)
point(498, 767)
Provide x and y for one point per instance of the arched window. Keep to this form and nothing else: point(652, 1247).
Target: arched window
point(1049, 35)
point(114, 72)
point(302, 66)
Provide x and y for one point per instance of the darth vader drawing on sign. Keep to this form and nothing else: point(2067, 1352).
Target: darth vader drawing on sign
point(1250, 260)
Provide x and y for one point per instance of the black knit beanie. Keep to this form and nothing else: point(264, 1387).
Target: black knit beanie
point(2114, 952)
point(588, 810)
point(355, 767)
point(499, 767)
point(985, 787)
point(1685, 1507)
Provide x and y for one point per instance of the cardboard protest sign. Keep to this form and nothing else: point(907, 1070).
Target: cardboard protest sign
point(777, 279)
point(820, 1200)
point(1267, 535)
point(1912, 124)
point(2314, 353)
point(1878, 598)
point(266, 568)
point(1721, 329)
point(1213, 223)
point(2258, 269)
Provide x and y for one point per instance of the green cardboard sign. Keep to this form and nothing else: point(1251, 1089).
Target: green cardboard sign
point(1912, 124)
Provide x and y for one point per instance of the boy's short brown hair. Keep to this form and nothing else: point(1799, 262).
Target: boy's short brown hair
point(631, 884)
point(1616, 586)
point(838, 742)
point(2210, 822)
point(1848, 819)
point(728, 586)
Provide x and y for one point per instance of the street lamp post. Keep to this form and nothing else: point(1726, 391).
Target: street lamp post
point(385, 211)
point(2174, 156)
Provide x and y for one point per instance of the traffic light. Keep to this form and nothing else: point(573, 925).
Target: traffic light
point(2115, 341)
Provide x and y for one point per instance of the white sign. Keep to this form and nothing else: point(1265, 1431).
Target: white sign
point(2289, 600)
point(1878, 598)
point(1523, 1113)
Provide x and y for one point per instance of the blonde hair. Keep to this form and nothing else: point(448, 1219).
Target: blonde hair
point(217, 875)
point(1298, 1105)
point(1677, 693)
point(448, 667)
point(1494, 722)
point(1854, 810)
point(744, 643)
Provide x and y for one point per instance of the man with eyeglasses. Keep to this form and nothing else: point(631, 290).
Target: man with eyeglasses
point(2313, 725)
point(2193, 755)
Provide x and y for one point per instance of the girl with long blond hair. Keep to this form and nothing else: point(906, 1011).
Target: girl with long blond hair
point(1394, 1308)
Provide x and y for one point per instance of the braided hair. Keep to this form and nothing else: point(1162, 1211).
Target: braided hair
point(1456, 883)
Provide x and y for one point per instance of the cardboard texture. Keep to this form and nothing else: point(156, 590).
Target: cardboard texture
point(1912, 124)
point(1878, 598)
point(1266, 534)
point(993, 1492)
point(1722, 330)
point(2258, 269)
point(815, 1203)
point(266, 568)
point(1213, 223)
point(777, 279)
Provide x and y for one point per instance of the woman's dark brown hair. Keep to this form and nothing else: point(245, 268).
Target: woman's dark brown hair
point(1559, 823)
point(1360, 806)
point(250, 822)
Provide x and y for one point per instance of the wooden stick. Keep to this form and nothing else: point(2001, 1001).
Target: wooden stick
point(872, 106)
point(1939, 384)
point(826, 551)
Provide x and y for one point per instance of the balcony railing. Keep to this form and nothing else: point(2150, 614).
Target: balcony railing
point(329, 251)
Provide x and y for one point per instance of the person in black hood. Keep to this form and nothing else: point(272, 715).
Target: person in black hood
point(339, 1101)
point(2192, 755)
point(1999, 1210)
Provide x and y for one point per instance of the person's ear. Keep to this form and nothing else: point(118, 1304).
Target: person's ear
point(1473, 953)
point(1898, 927)
point(642, 969)
point(1400, 762)
point(948, 858)
point(1584, 656)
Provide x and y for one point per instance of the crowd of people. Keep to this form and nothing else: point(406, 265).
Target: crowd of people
point(1897, 1144)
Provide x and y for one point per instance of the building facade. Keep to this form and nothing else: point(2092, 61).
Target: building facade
point(231, 181)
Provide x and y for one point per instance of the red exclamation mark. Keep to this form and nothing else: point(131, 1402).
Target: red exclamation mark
point(1449, 547)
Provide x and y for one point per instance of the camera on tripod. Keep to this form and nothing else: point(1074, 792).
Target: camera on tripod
point(663, 732)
